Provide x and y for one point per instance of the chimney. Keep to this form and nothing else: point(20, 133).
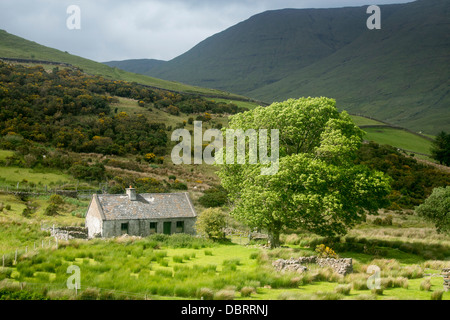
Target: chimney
point(131, 192)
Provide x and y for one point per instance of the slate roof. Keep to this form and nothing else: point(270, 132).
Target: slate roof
point(146, 206)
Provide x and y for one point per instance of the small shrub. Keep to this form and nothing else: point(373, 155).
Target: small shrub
point(211, 223)
point(437, 295)
point(247, 292)
point(378, 292)
point(163, 262)
point(325, 252)
point(177, 259)
point(360, 284)
point(224, 295)
point(27, 211)
point(425, 285)
point(343, 289)
point(106, 295)
point(89, 294)
point(208, 252)
point(186, 256)
point(51, 210)
point(205, 294)
point(254, 255)
point(56, 199)
point(8, 207)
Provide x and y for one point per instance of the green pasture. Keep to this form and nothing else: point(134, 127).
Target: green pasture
point(398, 138)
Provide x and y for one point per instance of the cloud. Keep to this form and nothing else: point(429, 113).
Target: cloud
point(118, 30)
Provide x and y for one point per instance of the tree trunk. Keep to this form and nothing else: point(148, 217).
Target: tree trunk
point(274, 238)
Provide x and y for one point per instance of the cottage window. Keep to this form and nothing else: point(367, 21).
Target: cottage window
point(153, 227)
point(180, 226)
point(124, 228)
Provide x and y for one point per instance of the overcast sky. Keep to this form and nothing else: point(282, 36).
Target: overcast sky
point(158, 29)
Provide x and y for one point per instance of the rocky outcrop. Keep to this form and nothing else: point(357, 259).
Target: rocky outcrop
point(340, 266)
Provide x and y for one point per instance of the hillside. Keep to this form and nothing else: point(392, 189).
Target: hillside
point(142, 66)
point(398, 74)
point(12, 46)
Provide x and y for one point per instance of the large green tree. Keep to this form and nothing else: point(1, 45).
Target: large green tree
point(317, 187)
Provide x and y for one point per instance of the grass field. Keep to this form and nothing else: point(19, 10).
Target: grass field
point(398, 138)
point(363, 121)
point(49, 177)
point(183, 267)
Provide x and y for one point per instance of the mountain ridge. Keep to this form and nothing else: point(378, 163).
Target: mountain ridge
point(398, 74)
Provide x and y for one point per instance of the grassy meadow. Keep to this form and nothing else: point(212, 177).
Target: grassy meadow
point(409, 253)
point(398, 138)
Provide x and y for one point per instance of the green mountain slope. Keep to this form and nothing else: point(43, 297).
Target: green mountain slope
point(265, 48)
point(142, 66)
point(398, 74)
point(12, 46)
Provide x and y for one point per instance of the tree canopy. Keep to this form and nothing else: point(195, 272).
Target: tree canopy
point(440, 151)
point(436, 209)
point(317, 187)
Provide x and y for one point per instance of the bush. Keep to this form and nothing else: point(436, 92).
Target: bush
point(343, 289)
point(214, 197)
point(89, 294)
point(425, 285)
point(325, 252)
point(437, 295)
point(211, 223)
point(378, 291)
point(177, 259)
point(386, 221)
point(56, 199)
point(224, 295)
point(247, 292)
point(51, 210)
point(436, 208)
point(205, 294)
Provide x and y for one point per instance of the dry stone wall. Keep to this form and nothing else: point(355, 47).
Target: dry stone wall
point(67, 233)
point(446, 274)
point(340, 266)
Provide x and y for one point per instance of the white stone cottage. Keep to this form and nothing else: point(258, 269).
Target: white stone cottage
point(112, 215)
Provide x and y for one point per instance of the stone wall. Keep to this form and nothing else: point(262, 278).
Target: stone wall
point(446, 274)
point(67, 233)
point(341, 266)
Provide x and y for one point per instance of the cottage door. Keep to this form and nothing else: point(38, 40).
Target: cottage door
point(167, 227)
